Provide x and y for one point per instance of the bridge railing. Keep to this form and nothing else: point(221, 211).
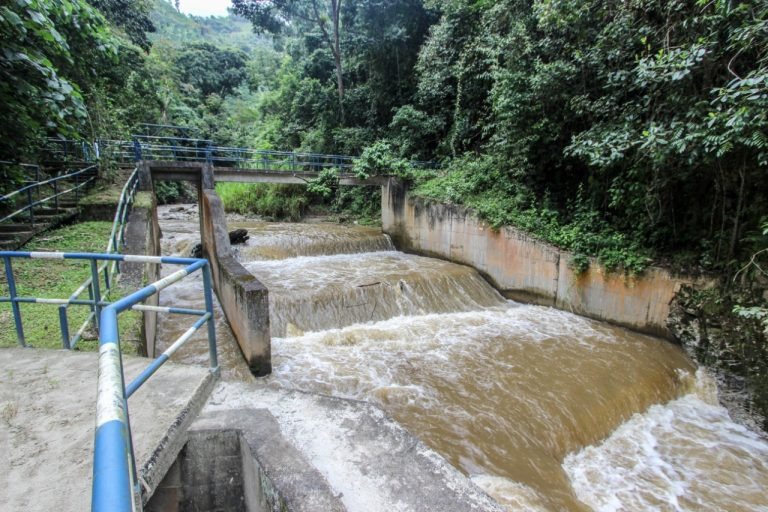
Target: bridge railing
point(188, 149)
point(120, 151)
point(108, 270)
point(34, 195)
point(64, 150)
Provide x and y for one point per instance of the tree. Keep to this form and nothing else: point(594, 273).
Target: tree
point(275, 16)
point(132, 16)
point(210, 69)
point(51, 53)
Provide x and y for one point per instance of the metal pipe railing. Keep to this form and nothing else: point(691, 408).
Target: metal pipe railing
point(197, 150)
point(107, 269)
point(115, 484)
point(31, 204)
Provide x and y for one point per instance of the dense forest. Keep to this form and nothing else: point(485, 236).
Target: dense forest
point(628, 131)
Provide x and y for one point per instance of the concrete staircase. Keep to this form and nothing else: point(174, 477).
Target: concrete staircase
point(23, 227)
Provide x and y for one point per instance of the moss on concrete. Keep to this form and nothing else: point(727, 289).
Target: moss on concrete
point(102, 196)
point(142, 200)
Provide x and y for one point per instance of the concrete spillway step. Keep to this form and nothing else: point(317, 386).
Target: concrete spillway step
point(48, 408)
point(256, 448)
point(21, 228)
point(15, 235)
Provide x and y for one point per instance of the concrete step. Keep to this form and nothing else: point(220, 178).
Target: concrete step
point(15, 236)
point(20, 227)
point(51, 434)
point(51, 210)
point(8, 245)
point(51, 217)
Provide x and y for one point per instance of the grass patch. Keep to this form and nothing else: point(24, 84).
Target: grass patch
point(58, 279)
point(269, 200)
point(106, 195)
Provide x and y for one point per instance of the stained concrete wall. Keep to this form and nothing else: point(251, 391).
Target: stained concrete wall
point(142, 236)
point(524, 268)
point(243, 298)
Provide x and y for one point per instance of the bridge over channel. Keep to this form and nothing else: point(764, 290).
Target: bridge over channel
point(244, 300)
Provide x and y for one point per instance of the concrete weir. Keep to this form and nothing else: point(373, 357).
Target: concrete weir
point(47, 421)
point(257, 449)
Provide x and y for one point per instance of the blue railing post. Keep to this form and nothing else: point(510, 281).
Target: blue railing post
point(14, 305)
point(29, 202)
point(90, 299)
point(136, 150)
point(213, 356)
point(64, 324)
point(96, 291)
point(107, 281)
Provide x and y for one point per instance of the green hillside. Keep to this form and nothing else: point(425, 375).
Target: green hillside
point(178, 28)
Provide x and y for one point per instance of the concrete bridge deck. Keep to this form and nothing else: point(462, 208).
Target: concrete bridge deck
point(47, 420)
point(190, 171)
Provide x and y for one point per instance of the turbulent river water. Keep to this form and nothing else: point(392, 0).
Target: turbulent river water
point(543, 409)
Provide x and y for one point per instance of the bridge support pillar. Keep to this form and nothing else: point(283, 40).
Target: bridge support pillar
point(145, 176)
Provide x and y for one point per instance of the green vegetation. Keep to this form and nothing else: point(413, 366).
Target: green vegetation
point(58, 279)
point(477, 185)
point(176, 29)
point(630, 132)
point(728, 338)
point(271, 201)
point(168, 192)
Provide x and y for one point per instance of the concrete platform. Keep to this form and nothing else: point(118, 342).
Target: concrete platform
point(305, 452)
point(48, 415)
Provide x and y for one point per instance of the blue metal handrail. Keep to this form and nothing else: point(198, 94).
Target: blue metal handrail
point(31, 204)
point(115, 483)
point(93, 283)
point(70, 150)
point(115, 486)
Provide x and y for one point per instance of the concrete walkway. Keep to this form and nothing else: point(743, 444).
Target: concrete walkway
point(47, 419)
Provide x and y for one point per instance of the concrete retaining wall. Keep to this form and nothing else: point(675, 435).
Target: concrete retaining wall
point(524, 268)
point(243, 298)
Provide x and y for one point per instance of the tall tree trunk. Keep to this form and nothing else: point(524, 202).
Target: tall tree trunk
point(334, 44)
point(737, 217)
point(336, 11)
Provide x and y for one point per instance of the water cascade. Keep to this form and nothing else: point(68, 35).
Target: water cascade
point(543, 409)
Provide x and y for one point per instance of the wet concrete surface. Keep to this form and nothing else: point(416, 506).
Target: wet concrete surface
point(48, 416)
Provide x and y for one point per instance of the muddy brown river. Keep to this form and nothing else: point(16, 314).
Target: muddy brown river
point(543, 409)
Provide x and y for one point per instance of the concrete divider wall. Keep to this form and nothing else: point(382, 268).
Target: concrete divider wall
point(243, 298)
point(524, 268)
point(142, 236)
